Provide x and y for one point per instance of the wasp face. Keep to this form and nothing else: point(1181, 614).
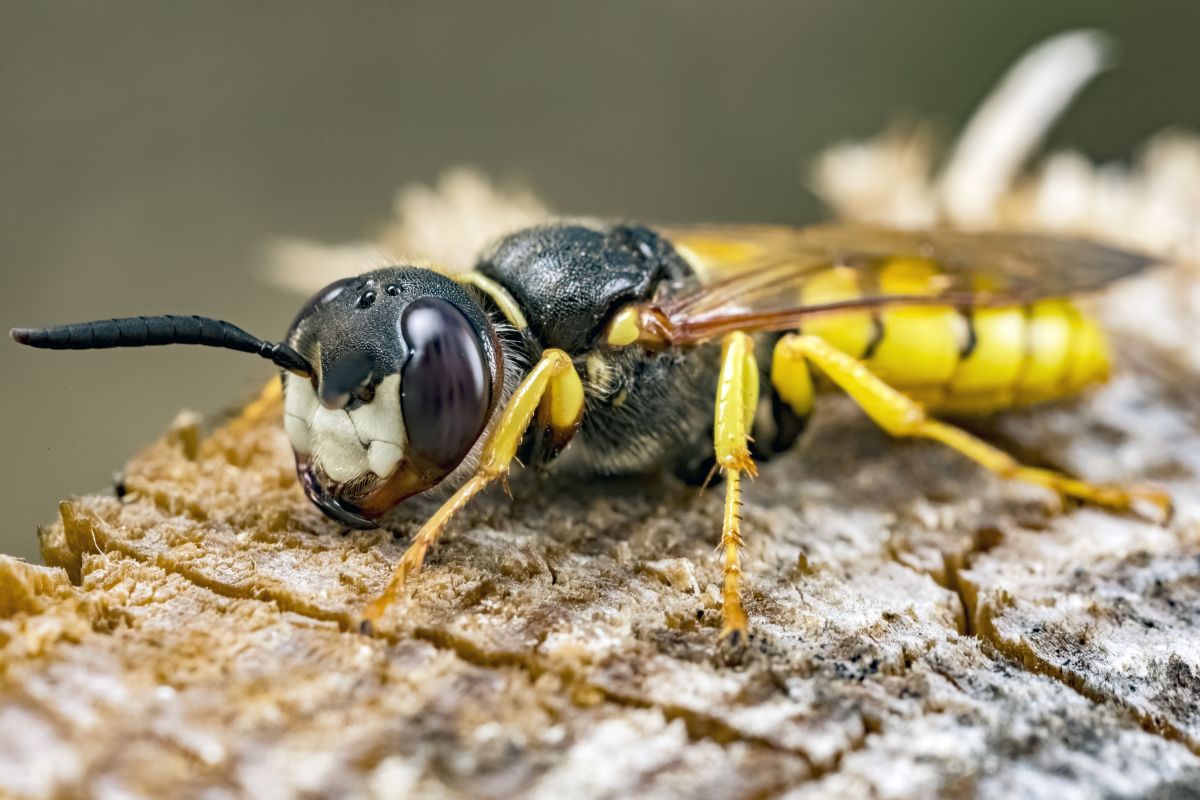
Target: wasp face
point(406, 373)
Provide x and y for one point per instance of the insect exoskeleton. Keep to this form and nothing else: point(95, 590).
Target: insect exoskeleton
point(406, 373)
point(659, 349)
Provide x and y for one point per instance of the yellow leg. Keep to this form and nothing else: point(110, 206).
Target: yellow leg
point(737, 397)
point(901, 416)
point(554, 384)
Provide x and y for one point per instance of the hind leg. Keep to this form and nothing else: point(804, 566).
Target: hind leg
point(901, 416)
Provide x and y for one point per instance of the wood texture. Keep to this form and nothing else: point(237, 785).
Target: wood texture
point(920, 628)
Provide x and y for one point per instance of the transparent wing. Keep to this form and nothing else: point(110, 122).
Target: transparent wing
point(757, 278)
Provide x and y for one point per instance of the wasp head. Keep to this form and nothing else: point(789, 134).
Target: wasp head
point(406, 373)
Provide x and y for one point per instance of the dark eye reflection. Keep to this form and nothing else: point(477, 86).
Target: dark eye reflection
point(445, 388)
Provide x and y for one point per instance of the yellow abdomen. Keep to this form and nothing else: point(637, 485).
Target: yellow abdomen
point(961, 361)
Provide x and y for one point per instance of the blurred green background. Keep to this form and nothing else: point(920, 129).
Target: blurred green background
point(147, 150)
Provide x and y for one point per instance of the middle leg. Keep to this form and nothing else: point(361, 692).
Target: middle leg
point(737, 399)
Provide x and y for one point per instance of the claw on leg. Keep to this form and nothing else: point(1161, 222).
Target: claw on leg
point(1144, 501)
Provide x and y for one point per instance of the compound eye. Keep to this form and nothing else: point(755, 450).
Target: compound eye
point(445, 385)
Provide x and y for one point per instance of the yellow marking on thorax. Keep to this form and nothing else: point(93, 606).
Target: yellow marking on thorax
point(920, 345)
point(500, 296)
point(627, 327)
point(624, 329)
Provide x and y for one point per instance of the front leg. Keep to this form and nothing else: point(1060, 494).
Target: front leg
point(552, 386)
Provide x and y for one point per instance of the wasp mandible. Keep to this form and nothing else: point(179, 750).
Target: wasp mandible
point(637, 348)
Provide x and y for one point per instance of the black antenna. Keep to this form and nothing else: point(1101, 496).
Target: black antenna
point(153, 331)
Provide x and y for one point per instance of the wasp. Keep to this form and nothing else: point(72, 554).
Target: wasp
point(630, 348)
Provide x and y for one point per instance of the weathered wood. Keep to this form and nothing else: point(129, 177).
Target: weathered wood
point(920, 628)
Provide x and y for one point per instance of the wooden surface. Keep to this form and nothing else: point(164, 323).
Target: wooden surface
point(919, 627)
